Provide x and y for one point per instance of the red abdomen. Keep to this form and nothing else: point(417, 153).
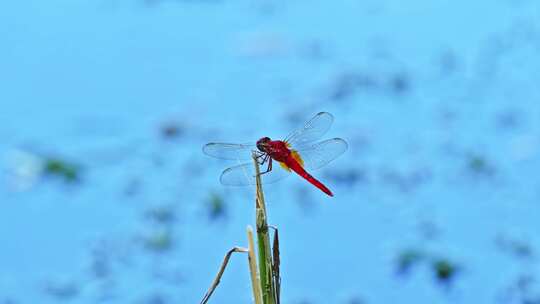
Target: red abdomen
point(296, 167)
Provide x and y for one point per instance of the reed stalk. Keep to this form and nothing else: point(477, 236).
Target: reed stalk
point(224, 264)
point(255, 282)
point(263, 241)
point(266, 283)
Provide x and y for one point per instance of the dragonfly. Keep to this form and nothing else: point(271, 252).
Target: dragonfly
point(301, 151)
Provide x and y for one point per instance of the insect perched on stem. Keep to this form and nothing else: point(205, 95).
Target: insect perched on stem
point(298, 152)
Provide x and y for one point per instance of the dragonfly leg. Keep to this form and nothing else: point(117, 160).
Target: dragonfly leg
point(259, 156)
point(269, 168)
point(265, 159)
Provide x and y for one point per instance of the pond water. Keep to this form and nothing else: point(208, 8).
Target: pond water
point(106, 196)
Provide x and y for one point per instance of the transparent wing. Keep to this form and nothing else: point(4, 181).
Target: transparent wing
point(244, 174)
point(313, 130)
point(229, 151)
point(320, 154)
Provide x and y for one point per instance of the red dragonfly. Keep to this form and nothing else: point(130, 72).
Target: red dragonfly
point(299, 151)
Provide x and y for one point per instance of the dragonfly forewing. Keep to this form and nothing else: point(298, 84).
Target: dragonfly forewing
point(313, 130)
point(229, 151)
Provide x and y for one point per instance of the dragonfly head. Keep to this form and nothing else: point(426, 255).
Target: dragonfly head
point(262, 144)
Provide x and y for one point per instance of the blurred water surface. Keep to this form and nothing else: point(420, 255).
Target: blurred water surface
point(106, 196)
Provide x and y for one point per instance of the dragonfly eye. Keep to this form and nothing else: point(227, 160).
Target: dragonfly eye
point(262, 143)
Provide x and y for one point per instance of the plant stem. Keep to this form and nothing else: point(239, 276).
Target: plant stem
point(263, 241)
point(255, 282)
point(216, 281)
point(275, 266)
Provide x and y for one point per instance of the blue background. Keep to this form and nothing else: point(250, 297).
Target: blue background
point(439, 101)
